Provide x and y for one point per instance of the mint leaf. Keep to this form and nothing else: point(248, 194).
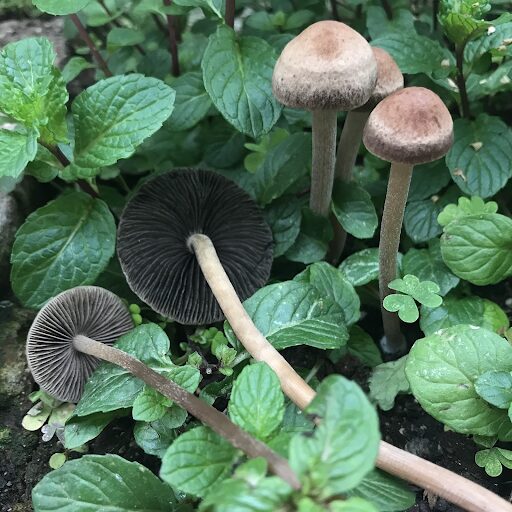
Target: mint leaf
point(60, 7)
point(462, 20)
point(197, 461)
point(106, 482)
point(420, 219)
point(428, 180)
point(361, 345)
point(74, 67)
point(464, 207)
point(66, 243)
point(123, 36)
point(343, 448)
point(477, 248)
point(237, 74)
point(113, 117)
point(378, 23)
point(387, 381)
point(284, 216)
point(442, 370)
point(150, 405)
point(362, 267)
point(489, 43)
point(495, 388)
point(257, 402)
point(17, 149)
point(480, 160)
point(354, 209)
point(294, 313)
point(353, 504)
point(155, 437)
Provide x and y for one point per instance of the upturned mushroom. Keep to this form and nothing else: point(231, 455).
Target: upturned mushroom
point(411, 126)
point(327, 68)
point(75, 330)
point(192, 245)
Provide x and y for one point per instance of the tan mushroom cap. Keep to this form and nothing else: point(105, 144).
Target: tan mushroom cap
point(328, 66)
point(411, 126)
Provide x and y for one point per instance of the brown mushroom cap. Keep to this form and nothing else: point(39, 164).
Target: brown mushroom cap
point(328, 66)
point(152, 242)
point(58, 368)
point(411, 126)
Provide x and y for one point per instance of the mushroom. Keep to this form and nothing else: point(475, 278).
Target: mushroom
point(192, 245)
point(389, 80)
point(76, 329)
point(327, 68)
point(409, 127)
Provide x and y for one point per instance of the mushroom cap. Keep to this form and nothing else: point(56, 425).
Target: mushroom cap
point(411, 126)
point(328, 66)
point(389, 78)
point(58, 368)
point(152, 242)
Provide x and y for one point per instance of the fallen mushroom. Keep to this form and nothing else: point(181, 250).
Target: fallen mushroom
point(409, 127)
point(75, 330)
point(327, 68)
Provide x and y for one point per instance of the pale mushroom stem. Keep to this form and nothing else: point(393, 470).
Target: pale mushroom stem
point(391, 227)
point(210, 416)
point(395, 461)
point(324, 157)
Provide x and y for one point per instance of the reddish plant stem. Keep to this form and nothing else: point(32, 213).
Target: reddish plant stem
point(230, 13)
point(173, 41)
point(334, 10)
point(90, 43)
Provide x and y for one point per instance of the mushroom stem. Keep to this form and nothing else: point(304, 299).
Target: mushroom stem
point(395, 461)
point(391, 227)
point(212, 417)
point(324, 156)
point(248, 334)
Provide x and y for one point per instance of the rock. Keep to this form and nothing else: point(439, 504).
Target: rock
point(10, 220)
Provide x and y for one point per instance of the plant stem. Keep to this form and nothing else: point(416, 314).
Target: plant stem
point(395, 461)
point(396, 197)
point(334, 10)
point(173, 42)
point(230, 13)
point(204, 412)
point(387, 8)
point(90, 43)
point(324, 156)
point(159, 23)
point(461, 82)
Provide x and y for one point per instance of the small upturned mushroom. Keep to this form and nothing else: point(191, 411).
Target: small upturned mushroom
point(411, 126)
point(75, 330)
point(192, 245)
point(327, 68)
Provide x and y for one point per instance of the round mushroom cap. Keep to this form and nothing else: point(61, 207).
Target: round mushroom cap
point(328, 66)
point(152, 242)
point(58, 368)
point(389, 78)
point(411, 126)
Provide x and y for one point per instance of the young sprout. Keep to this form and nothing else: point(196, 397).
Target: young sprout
point(75, 330)
point(192, 245)
point(409, 127)
point(327, 68)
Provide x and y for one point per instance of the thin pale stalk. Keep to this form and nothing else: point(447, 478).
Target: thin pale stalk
point(439, 481)
point(204, 412)
point(324, 156)
point(391, 227)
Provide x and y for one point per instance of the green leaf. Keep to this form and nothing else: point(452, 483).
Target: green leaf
point(495, 388)
point(387, 493)
point(344, 446)
point(123, 36)
point(113, 117)
point(64, 244)
point(378, 23)
point(361, 345)
point(332, 284)
point(294, 313)
point(490, 42)
point(237, 74)
point(480, 160)
point(404, 305)
point(467, 310)
point(428, 180)
point(111, 387)
point(477, 248)
point(493, 460)
point(362, 267)
point(45, 167)
point(464, 207)
point(150, 405)
point(60, 7)
point(17, 149)
point(74, 67)
point(442, 370)
point(354, 504)
point(424, 292)
point(387, 381)
point(284, 216)
point(192, 102)
point(197, 461)
point(82, 429)
point(257, 402)
point(462, 20)
point(102, 482)
point(354, 209)
point(420, 220)
point(284, 165)
point(428, 265)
